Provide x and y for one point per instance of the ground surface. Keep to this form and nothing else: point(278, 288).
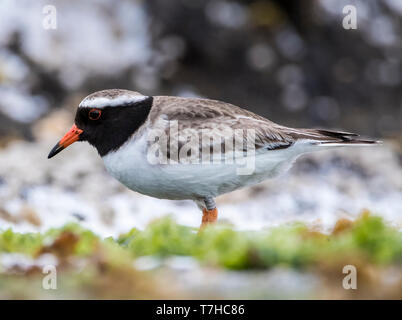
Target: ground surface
point(286, 238)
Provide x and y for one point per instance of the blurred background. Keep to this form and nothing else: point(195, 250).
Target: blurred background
point(291, 61)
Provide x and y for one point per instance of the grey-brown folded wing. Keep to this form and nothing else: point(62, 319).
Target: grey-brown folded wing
point(217, 122)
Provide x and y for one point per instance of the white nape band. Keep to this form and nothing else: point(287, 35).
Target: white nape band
point(101, 102)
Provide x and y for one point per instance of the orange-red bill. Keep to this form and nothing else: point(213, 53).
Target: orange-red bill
point(69, 138)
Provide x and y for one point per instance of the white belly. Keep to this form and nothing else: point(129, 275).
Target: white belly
point(191, 181)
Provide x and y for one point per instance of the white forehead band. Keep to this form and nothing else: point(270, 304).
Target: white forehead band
point(101, 102)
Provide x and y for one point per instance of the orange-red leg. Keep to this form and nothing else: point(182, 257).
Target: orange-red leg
point(209, 216)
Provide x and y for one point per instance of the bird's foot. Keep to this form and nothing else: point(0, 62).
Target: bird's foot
point(209, 216)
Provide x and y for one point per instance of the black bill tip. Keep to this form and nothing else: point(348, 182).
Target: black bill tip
point(56, 149)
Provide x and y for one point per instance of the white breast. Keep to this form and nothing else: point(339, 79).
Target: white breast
point(131, 167)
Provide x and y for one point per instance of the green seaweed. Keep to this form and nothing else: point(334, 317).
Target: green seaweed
point(27, 243)
point(368, 238)
point(295, 245)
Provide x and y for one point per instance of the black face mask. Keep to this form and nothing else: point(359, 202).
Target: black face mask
point(114, 126)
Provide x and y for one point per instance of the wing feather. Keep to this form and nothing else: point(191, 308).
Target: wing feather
point(212, 124)
point(218, 123)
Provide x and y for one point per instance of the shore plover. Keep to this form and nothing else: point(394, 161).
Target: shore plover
point(190, 148)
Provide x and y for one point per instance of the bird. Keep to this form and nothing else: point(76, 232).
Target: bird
point(186, 148)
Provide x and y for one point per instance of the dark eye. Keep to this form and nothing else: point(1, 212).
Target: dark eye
point(94, 114)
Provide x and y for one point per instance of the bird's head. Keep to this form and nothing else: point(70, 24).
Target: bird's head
point(106, 119)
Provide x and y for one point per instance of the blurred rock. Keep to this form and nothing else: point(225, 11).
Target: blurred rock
point(232, 50)
point(29, 215)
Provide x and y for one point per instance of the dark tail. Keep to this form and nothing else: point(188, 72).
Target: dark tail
point(327, 137)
